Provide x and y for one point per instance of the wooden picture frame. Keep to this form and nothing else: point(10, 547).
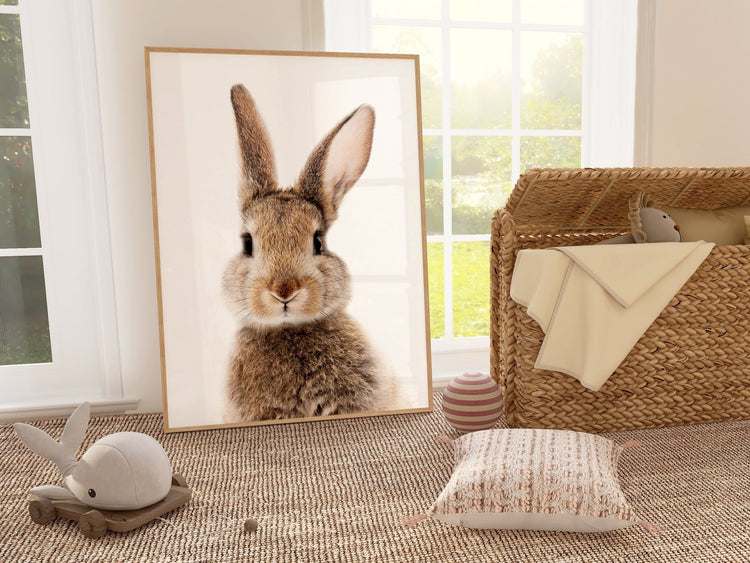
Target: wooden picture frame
point(213, 295)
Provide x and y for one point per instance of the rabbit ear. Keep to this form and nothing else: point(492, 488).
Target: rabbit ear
point(338, 161)
point(258, 163)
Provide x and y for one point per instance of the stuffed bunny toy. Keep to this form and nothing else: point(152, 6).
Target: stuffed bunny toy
point(297, 352)
point(122, 471)
point(647, 223)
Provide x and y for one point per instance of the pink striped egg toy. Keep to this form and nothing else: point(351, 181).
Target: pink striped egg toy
point(472, 401)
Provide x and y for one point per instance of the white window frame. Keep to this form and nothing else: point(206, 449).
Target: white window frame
point(59, 60)
point(607, 129)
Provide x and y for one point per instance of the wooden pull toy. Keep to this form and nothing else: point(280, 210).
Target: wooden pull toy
point(121, 482)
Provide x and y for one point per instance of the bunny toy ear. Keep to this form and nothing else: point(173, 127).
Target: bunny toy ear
point(338, 161)
point(258, 163)
point(62, 452)
point(75, 428)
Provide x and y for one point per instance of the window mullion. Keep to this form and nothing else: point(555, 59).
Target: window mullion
point(471, 238)
point(509, 132)
point(515, 145)
point(468, 24)
point(16, 132)
point(586, 90)
point(447, 175)
point(12, 252)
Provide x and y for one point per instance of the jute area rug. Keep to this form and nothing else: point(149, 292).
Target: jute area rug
point(335, 491)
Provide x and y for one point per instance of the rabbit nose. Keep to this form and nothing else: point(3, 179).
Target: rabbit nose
point(677, 228)
point(285, 290)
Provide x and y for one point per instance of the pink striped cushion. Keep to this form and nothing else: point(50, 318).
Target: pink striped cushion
point(534, 479)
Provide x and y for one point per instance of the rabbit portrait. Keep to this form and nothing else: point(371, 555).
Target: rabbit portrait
point(297, 352)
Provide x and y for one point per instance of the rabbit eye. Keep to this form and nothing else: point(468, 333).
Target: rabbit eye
point(92, 493)
point(247, 244)
point(318, 243)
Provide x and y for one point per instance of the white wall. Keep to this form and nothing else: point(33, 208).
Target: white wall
point(701, 83)
point(121, 30)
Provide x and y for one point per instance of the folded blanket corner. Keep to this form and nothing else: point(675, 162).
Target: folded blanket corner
point(595, 302)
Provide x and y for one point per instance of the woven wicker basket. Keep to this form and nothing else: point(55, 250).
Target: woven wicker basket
point(692, 365)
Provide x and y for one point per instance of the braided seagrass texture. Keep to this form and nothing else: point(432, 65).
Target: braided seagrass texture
point(692, 365)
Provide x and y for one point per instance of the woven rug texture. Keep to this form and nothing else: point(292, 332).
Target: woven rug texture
point(335, 491)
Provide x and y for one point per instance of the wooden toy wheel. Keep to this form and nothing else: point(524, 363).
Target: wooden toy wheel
point(42, 510)
point(179, 480)
point(92, 524)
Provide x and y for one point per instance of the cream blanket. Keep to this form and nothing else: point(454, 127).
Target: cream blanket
point(594, 302)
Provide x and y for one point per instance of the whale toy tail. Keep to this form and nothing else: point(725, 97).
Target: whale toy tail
point(62, 452)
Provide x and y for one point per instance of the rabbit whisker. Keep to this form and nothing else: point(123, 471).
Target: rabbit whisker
point(320, 278)
point(243, 312)
point(327, 312)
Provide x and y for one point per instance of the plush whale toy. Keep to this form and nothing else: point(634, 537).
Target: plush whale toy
point(122, 471)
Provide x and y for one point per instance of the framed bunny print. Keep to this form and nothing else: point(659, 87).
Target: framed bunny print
point(289, 234)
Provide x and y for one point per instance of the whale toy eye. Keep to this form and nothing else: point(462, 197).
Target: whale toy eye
point(92, 493)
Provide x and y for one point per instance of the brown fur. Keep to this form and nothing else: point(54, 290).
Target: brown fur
point(297, 353)
point(325, 368)
point(258, 163)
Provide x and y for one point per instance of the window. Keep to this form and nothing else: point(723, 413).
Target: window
point(507, 85)
point(58, 344)
point(24, 323)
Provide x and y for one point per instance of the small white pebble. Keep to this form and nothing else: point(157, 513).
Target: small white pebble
point(251, 524)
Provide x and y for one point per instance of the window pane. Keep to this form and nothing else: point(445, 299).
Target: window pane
point(551, 80)
point(471, 289)
point(550, 152)
point(435, 273)
point(481, 78)
point(471, 10)
point(425, 42)
point(24, 327)
point(14, 111)
point(19, 220)
point(412, 9)
point(555, 12)
point(433, 183)
point(481, 180)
